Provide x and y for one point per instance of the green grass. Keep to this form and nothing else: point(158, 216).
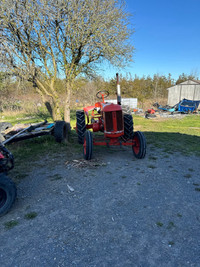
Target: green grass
point(188, 175)
point(19, 117)
point(187, 125)
point(170, 225)
point(39, 151)
point(30, 215)
point(169, 135)
point(172, 135)
point(160, 224)
point(10, 224)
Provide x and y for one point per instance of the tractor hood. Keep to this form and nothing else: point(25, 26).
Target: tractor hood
point(108, 107)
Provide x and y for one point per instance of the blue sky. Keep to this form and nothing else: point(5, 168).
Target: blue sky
point(166, 38)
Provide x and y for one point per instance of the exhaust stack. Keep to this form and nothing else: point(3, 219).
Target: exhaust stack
point(118, 91)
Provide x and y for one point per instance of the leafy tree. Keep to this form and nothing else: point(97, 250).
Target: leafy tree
point(184, 77)
point(46, 39)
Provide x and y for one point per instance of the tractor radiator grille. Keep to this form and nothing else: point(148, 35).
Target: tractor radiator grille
point(119, 120)
point(109, 121)
point(114, 121)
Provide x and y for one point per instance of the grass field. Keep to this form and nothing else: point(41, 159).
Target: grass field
point(170, 135)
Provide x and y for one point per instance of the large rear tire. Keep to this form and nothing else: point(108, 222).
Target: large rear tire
point(126, 109)
point(139, 147)
point(128, 126)
point(80, 125)
point(61, 132)
point(8, 193)
point(88, 145)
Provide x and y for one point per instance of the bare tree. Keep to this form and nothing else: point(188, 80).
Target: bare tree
point(46, 38)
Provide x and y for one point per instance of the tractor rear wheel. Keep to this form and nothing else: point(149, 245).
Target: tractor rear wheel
point(80, 125)
point(128, 126)
point(139, 147)
point(88, 145)
point(8, 193)
point(126, 109)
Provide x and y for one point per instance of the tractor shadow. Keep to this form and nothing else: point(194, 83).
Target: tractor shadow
point(174, 142)
point(167, 142)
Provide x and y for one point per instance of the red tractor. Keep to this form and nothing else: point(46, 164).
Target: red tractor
point(110, 119)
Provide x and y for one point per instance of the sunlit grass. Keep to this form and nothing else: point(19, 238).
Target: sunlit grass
point(189, 124)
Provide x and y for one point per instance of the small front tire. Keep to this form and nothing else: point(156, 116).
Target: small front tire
point(88, 145)
point(139, 146)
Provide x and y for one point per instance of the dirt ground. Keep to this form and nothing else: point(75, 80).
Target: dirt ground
point(112, 211)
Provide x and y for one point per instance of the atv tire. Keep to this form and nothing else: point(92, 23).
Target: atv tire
point(128, 126)
point(8, 193)
point(80, 125)
point(61, 132)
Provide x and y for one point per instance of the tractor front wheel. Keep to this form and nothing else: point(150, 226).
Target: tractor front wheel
point(88, 145)
point(139, 146)
point(8, 193)
point(80, 125)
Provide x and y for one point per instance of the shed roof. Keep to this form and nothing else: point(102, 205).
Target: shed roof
point(185, 83)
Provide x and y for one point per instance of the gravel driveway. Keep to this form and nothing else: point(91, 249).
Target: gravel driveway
point(112, 211)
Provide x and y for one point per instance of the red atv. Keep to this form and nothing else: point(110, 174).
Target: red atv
point(110, 119)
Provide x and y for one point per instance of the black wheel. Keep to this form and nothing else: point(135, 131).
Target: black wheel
point(8, 193)
point(61, 131)
point(128, 126)
point(126, 109)
point(80, 125)
point(139, 146)
point(88, 145)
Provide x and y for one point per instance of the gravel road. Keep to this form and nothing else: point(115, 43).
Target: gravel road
point(113, 211)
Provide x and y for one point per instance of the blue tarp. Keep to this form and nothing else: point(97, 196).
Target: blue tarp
point(186, 105)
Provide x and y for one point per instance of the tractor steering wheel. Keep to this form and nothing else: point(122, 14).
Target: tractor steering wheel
point(102, 94)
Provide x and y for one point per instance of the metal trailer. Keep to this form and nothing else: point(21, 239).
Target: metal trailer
point(8, 190)
point(59, 130)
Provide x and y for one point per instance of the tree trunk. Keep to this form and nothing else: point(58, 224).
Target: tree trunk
point(56, 111)
point(67, 104)
point(52, 105)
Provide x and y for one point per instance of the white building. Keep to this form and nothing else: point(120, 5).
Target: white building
point(189, 89)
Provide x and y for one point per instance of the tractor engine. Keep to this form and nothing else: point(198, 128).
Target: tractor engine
point(113, 120)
